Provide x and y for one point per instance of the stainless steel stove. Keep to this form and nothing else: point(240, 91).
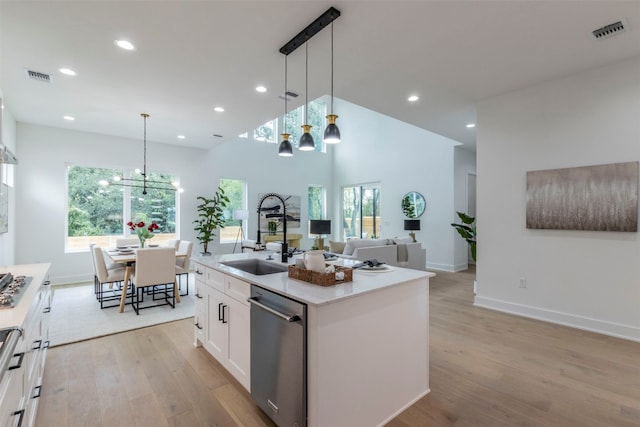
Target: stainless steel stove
point(11, 289)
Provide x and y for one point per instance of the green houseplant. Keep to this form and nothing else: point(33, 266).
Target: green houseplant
point(210, 218)
point(467, 231)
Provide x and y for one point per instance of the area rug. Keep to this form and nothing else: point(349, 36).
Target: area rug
point(76, 314)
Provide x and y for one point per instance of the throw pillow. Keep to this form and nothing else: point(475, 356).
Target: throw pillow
point(403, 240)
point(336, 247)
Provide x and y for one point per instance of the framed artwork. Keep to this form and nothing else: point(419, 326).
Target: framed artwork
point(4, 208)
point(595, 198)
point(271, 212)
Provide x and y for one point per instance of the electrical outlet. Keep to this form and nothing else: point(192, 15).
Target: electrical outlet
point(523, 282)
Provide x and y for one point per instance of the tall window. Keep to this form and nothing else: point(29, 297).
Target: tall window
point(361, 211)
point(316, 198)
point(98, 214)
point(316, 202)
point(236, 191)
point(269, 132)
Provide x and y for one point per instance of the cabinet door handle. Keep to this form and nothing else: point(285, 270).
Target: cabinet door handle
point(37, 345)
point(38, 393)
point(198, 296)
point(46, 283)
point(220, 313)
point(198, 272)
point(198, 325)
point(21, 414)
point(46, 344)
point(223, 319)
point(46, 310)
point(20, 359)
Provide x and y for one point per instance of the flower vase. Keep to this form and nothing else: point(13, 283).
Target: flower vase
point(142, 240)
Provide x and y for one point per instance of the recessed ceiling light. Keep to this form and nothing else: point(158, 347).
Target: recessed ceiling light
point(219, 109)
point(69, 118)
point(413, 98)
point(124, 44)
point(67, 71)
point(471, 125)
point(261, 89)
point(181, 137)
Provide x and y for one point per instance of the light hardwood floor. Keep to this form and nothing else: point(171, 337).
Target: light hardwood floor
point(487, 369)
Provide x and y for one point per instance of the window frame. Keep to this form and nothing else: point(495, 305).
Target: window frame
point(229, 214)
point(107, 240)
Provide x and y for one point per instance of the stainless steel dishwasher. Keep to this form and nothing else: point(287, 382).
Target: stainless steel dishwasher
point(279, 357)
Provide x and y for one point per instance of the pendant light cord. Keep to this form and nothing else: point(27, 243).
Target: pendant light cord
point(306, 83)
point(284, 120)
point(144, 164)
point(331, 67)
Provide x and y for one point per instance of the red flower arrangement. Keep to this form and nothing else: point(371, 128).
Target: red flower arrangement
point(143, 232)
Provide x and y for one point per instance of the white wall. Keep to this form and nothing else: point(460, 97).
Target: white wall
point(44, 152)
point(403, 158)
point(580, 278)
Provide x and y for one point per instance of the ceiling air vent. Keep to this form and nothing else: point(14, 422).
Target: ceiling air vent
point(610, 30)
point(289, 95)
point(36, 75)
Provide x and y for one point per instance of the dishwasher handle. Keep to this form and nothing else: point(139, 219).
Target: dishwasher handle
point(288, 318)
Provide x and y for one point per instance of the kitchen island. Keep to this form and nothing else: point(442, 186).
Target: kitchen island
point(367, 340)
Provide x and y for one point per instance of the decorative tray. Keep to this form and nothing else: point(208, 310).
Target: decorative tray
point(322, 279)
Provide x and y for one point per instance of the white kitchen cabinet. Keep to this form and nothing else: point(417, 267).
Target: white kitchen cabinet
point(225, 321)
point(21, 385)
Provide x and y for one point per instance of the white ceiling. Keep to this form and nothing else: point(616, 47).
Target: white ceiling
point(194, 55)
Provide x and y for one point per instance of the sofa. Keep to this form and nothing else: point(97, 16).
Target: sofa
point(396, 252)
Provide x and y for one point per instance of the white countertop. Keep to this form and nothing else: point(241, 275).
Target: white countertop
point(10, 317)
point(309, 293)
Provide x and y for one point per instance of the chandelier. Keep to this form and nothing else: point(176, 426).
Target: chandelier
point(144, 182)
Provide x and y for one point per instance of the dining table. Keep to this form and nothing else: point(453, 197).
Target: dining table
point(128, 258)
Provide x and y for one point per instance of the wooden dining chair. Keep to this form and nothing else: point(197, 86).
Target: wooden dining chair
point(156, 271)
point(183, 264)
point(105, 276)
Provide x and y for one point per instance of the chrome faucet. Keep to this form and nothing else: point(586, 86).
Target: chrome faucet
point(285, 249)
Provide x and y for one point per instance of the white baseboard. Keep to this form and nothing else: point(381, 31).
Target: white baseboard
point(617, 330)
point(70, 280)
point(443, 267)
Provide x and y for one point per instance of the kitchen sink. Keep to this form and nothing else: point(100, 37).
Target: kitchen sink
point(258, 267)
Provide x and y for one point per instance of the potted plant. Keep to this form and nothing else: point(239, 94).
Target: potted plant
point(210, 218)
point(467, 231)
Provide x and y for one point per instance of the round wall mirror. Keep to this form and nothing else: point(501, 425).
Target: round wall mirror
point(413, 204)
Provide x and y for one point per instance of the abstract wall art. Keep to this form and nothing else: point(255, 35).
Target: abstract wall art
point(596, 198)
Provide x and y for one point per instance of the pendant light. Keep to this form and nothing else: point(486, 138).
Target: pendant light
point(285, 149)
point(332, 133)
point(306, 140)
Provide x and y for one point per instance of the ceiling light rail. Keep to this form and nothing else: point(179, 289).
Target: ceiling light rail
point(311, 30)
point(332, 133)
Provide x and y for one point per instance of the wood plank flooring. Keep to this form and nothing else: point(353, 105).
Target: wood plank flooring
point(487, 369)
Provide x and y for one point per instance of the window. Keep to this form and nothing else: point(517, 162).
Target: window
point(98, 214)
point(236, 191)
point(268, 132)
point(316, 198)
point(361, 211)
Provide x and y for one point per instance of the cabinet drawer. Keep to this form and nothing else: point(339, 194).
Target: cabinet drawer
point(215, 279)
point(237, 289)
